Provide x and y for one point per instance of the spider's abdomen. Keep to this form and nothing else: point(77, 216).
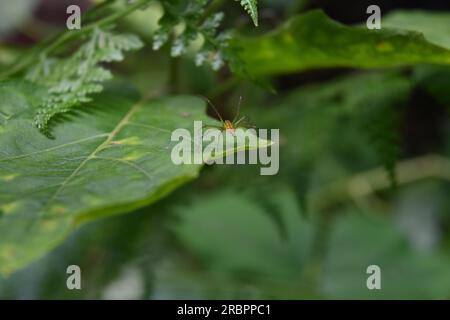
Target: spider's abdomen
point(228, 125)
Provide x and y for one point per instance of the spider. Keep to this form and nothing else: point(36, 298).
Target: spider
point(227, 125)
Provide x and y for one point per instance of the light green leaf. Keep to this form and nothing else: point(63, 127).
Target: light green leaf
point(435, 26)
point(313, 40)
point(112, 158)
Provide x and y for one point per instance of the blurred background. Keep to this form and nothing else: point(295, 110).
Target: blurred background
point(309, 232)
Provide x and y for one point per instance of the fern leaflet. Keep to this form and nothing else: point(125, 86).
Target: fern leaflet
point(72, 80)
point(251, 7)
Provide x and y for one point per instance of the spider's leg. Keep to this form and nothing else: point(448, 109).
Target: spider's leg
point(213, 106)
point(238, 109)
point(244, 123)
point(239, 121)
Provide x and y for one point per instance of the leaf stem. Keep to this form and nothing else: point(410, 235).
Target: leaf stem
point(368, 183)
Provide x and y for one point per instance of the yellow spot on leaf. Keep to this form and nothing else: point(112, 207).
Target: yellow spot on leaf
point(49, 225)
point(384, 47)
point(9, 177)
point(9, 207)
point(8, 252)
point(288, 38)
point(58, 209)
point(91, 200)
point(131, 141)
point(133, 156)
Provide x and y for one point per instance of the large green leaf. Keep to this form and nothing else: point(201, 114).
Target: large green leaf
point(313, 40)
point(435, 26)
point(111, 158)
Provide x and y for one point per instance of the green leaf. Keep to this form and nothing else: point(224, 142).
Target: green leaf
point(313, 40)
point(380, 120)
point(208, 222)
point(251, 7)
point(112, 158)
point(434, 26)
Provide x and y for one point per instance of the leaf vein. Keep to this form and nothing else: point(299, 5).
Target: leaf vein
point(131, 164)
point(109, 138)
point(54, 148)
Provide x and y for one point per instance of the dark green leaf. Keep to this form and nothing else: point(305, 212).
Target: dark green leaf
point(313, 40)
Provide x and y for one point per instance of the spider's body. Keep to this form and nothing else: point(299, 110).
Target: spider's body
point(229, 126)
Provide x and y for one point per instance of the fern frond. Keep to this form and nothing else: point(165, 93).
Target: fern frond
point(382, 126)
point(71, 81)
point(251, 7)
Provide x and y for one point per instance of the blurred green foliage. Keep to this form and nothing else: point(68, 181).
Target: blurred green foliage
point(363, 176)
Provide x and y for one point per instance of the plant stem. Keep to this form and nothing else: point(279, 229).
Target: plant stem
point(367, 183)
point(68, 36)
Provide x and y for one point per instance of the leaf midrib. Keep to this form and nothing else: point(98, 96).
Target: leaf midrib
point(91, 156)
